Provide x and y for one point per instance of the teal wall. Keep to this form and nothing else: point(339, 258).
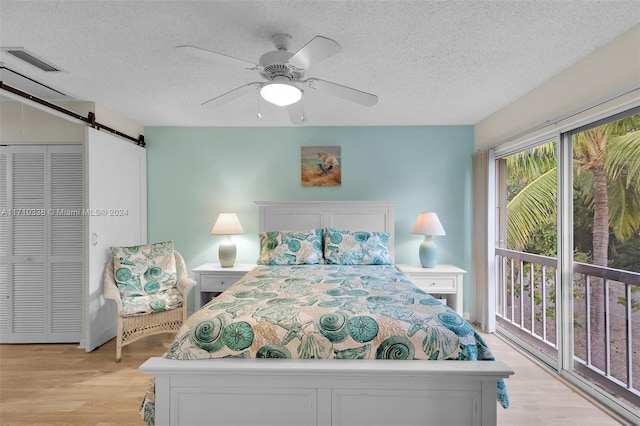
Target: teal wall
point(194, 173)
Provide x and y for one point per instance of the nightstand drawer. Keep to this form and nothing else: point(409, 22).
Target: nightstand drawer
point(441, 279)
point(213, 279)
point(435, 284)
point(218, 282)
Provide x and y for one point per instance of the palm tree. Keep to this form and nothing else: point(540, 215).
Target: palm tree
point(606, 166)
point(534, 200)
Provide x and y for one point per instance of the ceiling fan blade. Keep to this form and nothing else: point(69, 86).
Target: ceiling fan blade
point(318, 49)
point(297, 113)
point(231, 95)
point(209, 55)
point(344, 92)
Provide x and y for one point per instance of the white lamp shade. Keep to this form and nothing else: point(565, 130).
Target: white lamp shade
point(227, 224)
point(428, 224)
point(281, 94)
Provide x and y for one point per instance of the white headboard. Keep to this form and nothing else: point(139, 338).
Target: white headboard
point(374, 216)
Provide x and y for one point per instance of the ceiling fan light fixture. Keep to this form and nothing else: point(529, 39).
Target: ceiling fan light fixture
point(281, 94)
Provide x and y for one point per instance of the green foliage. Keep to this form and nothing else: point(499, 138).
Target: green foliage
point(532, 200)
point(544, 240)
point(531, 209)
point(635, 305)
point(582, 229)
point(626, 255)
point(532, 190)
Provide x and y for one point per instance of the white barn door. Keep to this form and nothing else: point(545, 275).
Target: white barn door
point(116, 215)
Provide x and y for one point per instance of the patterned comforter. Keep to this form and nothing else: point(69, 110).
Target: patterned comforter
point(328, 311)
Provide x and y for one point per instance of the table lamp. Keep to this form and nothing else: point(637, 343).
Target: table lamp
point(227, 224)
point(428, 225)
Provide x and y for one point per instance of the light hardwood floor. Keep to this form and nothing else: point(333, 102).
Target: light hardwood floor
point(538, 398)
point(56, 384)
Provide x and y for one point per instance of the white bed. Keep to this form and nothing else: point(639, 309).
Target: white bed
point(325, 392)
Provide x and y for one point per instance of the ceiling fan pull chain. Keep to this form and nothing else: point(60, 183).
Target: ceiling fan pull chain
point(259, 115)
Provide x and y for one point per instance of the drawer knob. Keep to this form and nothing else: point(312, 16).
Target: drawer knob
point(433, 284)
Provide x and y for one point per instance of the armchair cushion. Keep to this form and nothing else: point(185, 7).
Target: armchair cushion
point(146, 278)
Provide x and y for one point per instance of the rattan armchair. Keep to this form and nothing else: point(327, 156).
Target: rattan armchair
point(132, 328)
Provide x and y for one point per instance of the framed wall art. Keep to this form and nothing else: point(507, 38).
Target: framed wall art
point(321, 166)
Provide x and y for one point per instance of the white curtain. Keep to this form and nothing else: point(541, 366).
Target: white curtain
point(483, 241)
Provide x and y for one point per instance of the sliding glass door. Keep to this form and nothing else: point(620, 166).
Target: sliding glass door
point(568, 255)
point(527, 247)
point(606, 255)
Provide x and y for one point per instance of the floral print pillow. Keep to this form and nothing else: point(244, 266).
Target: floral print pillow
point(356, 247)
point(291, 247)
point(146, 277)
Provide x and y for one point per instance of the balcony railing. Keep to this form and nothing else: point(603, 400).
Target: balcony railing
point(606, 316)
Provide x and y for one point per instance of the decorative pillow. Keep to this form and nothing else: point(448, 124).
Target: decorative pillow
point(146, 277)
point(291, 247)
point(356, 247)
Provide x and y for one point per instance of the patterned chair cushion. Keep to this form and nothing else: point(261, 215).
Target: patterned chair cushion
point(146, 277)
point(291, 247)
point(356, 247)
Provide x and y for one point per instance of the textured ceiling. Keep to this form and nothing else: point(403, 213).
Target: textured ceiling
point(430, 62)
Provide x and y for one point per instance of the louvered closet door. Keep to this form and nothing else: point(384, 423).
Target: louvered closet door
point(27, 298)
point(65, 243)
point(5, 316)
point(41, 264)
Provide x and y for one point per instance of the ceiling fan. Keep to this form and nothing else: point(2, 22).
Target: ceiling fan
point(284, 72)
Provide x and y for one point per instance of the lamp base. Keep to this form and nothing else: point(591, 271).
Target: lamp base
point(428, 252)
point(227, 253)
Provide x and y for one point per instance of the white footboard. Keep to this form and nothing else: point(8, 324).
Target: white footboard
point(300, 392)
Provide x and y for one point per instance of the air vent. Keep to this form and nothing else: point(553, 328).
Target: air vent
point(27, 57)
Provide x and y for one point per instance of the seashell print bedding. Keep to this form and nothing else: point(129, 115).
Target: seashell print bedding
point(327, 311)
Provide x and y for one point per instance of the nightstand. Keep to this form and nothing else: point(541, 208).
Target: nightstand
point(441, 279)
point(213, 278)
